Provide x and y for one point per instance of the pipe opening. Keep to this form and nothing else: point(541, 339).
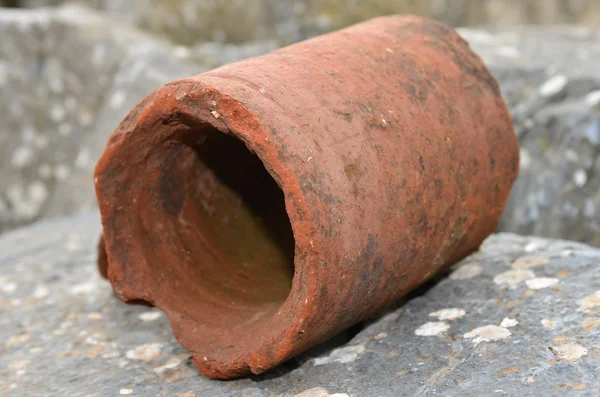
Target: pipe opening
point(233, 251)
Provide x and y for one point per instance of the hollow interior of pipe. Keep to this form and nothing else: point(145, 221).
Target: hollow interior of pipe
point(231, 246)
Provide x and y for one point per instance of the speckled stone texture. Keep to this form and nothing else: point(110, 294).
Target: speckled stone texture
point(519, 317)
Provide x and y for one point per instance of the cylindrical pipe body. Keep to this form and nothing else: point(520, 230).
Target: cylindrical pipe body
point(394, 153)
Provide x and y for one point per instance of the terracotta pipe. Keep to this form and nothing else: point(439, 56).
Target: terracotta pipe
point(271, 203)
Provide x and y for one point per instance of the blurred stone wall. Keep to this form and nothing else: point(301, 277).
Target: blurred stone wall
point(68, 75)
point(190, 22)
point(66, 83)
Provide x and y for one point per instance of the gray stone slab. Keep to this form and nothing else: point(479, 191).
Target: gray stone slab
point(521, 317)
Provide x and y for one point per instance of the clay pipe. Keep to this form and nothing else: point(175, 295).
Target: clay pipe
point(269, 204)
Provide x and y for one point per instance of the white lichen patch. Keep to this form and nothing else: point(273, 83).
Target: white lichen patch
point(341, 355)
point(569, 352)
point(57, 113)
point(508, 322)
point(487, 333)
point(541, 282)
point(181, 51)
point(535, 245)
point(548, 323)
point(146, 352)
point(590, 301)
point(83, 288)
point(94, 316)
point(117, 99)
point(508, 52)
point(41, 291)
point(571, 155)
point(61, 172)
point(466, 272)
point(27, 200)
point(513, 277)
point(526, 262)
point(83, 158)
point(580, 177)
point(525, 158)
point(448, 314)
point(593, 98)
point(553, 86)
point(18, 365)
point(171, 363)
point(35, 350)
point(73, 242)
point(22, 156)
point(17, 340)
point(8, 287)
point(150, 315)
point(432, 329)
point(315, 392)
point(86, 119)
point(319, 392)
point(125, 391)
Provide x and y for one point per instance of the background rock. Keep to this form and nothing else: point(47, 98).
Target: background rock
point(519, 317)
point(235, 21)
point(69, 81)
point(550, 78)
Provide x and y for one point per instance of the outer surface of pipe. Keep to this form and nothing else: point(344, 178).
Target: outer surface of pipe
point(395, 154)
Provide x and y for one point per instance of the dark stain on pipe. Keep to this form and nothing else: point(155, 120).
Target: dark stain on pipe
point(271, 203)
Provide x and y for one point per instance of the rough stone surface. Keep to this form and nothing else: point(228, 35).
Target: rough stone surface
point(66, 82)
point(192, 21)
point(64, 333)
point(550, 79)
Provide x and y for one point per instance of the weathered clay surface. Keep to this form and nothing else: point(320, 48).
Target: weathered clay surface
point(64, 333)
point(389, 144)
